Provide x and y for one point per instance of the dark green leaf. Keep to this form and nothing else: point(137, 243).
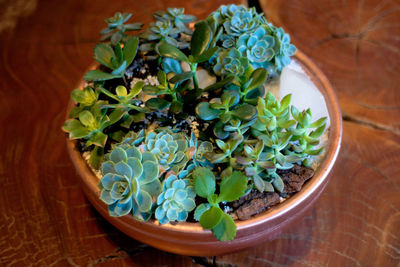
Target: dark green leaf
point(130, 49)
point(200, 39)
point(98, 75)
point(219, 130)
point(204, 182)
point(115, 116)
point(154, 90)
point(205, 112)
point(96, 157)
point(103, 53)
point(211, 217)
point(258, 78)
point(233, 187)
point(167, 50)
point(157, 103)
point(176, 107)
point(120, 70)
point(245, 112)
point(162, 77)
point(98, 139)
point(225, 230)
point(206, 55)
point(181, 77)
point(227, 80)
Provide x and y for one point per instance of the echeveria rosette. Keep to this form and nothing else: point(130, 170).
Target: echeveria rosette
point(130, 181)
point(231, 62)
point(243, 21)
point(225, 12)
point(258, 47)
point(286, 49)
point(176, 200)
point(170, 149)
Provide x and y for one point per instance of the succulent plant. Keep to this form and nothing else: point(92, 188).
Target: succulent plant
point(286, 49)
point(243, 21)
point(85, 99)
point(210, 214)
point(130, 181)
point(175, 201)
point(170, 149)
point(117, 60)
point(258, 47)
point(116, 28)
point(177, 17)
point(231, 62)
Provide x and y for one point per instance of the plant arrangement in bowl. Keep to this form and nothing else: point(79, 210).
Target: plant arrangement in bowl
point(179, 126)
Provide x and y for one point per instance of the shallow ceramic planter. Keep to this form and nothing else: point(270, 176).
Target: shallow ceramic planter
point(190, 238)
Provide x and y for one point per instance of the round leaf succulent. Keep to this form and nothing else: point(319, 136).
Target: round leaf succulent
point(286, 49)
point(258, 47)
point(231, 62)
point(130, 181)
point(243, 21)
point(175, 201)
point(169, 148)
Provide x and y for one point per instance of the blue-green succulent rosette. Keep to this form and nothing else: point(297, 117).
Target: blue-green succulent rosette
point(231, 62)
point(258, 47)
point(176, 200)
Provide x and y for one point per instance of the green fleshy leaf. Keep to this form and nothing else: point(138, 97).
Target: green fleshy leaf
point(233, 187)
point(176, 107)
point(130, 49)
point(136, 89)
point(120, 69)
point(121, 91)
point(211, 217)
point(162, 77)
point(154, 90)
point(181, 77)
point(87, 118)
point(71, 124)
point(157, 103)
point(167, 50)
point(205, 112)
point(96, 157)
point(259, 183)
point(225, 230)
point(74, 113)
point(258, 78)
point(285, 101)
point(278, 184)
point(206, 55)
point(78, 133)
point(245, 112)
point(98, 75)
point(103, 53)
point(200, 210)
point(227, 80)
point(318, 132)
point(204, 182)
point(98, 139)
point(200, 39)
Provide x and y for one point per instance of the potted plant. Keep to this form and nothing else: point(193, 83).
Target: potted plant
point(180, 144)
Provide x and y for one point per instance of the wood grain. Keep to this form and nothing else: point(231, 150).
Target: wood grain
point(45, 220)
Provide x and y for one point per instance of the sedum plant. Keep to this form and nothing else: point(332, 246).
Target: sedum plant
point(179, 122)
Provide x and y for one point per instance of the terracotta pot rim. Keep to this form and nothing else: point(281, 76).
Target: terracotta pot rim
point(332, 150)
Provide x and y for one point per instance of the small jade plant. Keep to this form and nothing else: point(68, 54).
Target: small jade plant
point(172, 148)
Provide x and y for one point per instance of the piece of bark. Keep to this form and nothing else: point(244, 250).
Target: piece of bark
point(295, 178)
point(257, 205)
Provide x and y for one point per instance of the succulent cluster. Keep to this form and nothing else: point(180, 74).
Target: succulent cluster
point(163, 142)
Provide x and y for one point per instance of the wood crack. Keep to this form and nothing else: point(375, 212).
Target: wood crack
point(370, 124)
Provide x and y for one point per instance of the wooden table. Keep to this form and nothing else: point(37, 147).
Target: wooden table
point(45, 220)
